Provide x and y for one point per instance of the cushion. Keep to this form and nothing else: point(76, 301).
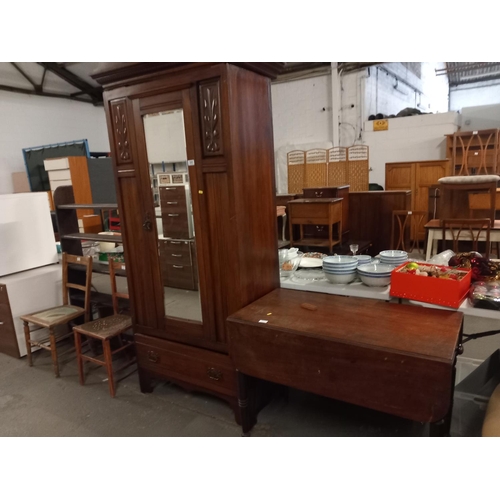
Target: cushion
point(469, 179)
point(491, 424)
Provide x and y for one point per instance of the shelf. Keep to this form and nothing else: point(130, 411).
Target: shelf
point(93, 237)
point(96, 206)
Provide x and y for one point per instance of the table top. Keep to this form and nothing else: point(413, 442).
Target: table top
point(436, 224)
point(363, 322)
point(315, 200)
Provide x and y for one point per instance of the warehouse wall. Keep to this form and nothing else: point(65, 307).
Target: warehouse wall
point(474, 94)
point(29, 121)
point(302, 111)
point(303, 114)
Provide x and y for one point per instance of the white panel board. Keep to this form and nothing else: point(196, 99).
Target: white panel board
point(26, 235)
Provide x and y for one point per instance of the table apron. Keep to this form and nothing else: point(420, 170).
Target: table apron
point(403, 385)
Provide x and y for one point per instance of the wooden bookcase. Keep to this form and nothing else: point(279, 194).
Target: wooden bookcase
point(475, 152)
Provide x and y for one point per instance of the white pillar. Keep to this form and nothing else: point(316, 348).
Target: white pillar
point(336, 105)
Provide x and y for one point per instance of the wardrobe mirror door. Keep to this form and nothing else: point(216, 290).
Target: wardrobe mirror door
point(170, 188)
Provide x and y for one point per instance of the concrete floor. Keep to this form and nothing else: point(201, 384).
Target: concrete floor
point(34, 403)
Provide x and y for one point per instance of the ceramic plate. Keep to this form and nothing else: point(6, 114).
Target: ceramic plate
point(310, 262)
point(308, 275)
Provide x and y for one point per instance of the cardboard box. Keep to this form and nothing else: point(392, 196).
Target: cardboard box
point(444, 292)
point(20, 182)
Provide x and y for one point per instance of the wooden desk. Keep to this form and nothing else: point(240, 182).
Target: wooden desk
point(387, 357)
point(435, 233)
point(317, 211)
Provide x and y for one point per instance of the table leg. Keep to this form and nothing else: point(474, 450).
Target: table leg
point(246, 418)
point(283, 227)
point(430, 238)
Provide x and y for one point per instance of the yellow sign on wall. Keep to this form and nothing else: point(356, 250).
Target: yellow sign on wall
point(380, 125)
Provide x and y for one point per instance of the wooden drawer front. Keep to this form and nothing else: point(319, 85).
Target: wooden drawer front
point(309, 211)
point(180, 256)
point(178, 276)
point(172, 193)
point(175, 225)
point(177, 246)
point(174, 205)
point(195, 366)
point(325, 192)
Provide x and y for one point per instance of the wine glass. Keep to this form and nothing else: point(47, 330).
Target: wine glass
point(354, 248)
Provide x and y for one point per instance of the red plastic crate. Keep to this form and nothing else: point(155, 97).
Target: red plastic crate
point(443, 292)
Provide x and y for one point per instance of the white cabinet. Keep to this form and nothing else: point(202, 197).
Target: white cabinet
point(24, 293)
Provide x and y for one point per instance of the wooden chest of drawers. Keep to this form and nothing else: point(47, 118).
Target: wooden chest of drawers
point(178, 264)
point(175, 212)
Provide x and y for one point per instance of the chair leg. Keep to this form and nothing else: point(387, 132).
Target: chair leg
point(79, 359)
point(28, 343)
point(53, 351)
point(109, 366)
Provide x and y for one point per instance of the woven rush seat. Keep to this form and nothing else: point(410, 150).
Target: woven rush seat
point(103, 328)
point(54, 316)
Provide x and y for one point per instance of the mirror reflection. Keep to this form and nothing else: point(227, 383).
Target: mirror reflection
point(167, 158)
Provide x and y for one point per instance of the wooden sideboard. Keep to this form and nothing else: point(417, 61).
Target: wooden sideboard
point(370, 216)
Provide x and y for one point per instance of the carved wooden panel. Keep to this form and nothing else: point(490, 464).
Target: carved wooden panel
point(121, 135)
point(210, 111)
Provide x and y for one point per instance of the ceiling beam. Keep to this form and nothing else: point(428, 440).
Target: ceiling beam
point(35, 85)
point(94, 93)
point(7, 88)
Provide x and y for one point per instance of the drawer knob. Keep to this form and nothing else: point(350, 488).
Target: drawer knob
point(173, 215)
point(171, 203)
point(214, 374)
point(178, 267)
point(176, 255)
point(153, 356)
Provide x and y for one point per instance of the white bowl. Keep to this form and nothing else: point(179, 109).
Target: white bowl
point(375, 269)
point(363, 259)
point(375, 280)
point(349, 267)
point(347, 271)
point(340, 279)
point(393, 254)
point(337, 260)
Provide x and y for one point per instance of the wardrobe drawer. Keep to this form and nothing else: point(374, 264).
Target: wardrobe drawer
point(172, 193)
point(175, 225)
point(179, 259)
point(178, 276)
point(179, 204)
point(188, 364)
point(177, 246)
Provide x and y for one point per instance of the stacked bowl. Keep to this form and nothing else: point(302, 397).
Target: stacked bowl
point(363, 259)
point(393, 257)
point(340, 269)
point(375, 274)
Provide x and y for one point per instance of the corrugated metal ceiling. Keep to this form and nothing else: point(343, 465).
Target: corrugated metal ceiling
point(460, 73)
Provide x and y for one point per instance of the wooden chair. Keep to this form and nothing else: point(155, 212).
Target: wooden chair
point(106, 329)
point(59, 315)
point(404, 222)
point(467, 230)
